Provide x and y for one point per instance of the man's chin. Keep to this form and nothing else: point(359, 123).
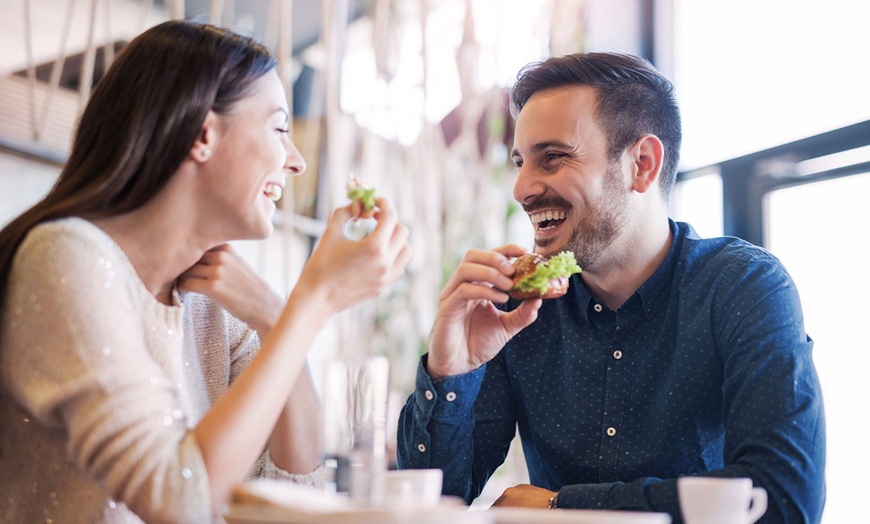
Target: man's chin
point(544, 243)
point(548, 246)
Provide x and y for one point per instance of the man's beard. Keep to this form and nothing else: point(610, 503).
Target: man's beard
point(602, 223)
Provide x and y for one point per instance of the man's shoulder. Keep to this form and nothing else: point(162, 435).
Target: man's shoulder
point(718, 253)
point(725, 262)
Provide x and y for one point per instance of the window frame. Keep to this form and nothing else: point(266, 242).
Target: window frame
point(747, 180)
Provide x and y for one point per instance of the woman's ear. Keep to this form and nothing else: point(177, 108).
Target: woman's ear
point(648, 155)
point(203, 146)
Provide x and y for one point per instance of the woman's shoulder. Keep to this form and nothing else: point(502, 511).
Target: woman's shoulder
point(73, 233)
point(66, 239)
point(69, 247)
point(71, 230)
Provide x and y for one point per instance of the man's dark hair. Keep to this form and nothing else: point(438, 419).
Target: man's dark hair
point(633, 100)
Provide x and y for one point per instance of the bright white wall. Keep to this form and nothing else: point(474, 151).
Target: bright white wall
point(22, 183)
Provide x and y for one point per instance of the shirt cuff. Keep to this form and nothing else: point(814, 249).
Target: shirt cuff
point(448, 396)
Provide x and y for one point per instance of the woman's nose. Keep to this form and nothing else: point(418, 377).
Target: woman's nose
point(295, 164)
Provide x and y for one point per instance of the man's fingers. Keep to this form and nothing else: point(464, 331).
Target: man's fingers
point(511, 250)
point(468, 291)
point(521, 317)
point(481, 274)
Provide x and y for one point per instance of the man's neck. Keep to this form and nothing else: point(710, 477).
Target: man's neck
point(617, 276)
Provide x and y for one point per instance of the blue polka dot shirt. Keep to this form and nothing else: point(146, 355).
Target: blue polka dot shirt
point(705, 370)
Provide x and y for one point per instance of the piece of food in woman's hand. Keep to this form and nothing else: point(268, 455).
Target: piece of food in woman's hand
point(539, 277)
point(362, 199)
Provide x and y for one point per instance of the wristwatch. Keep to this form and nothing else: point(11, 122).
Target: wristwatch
point(553, 501)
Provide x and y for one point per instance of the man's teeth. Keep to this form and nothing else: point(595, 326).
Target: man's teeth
point(273, 192)
point(537, 218)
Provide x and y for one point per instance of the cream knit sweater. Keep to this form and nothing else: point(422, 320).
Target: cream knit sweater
point(101, 385)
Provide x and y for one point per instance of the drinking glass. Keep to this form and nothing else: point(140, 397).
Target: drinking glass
point(355, 426)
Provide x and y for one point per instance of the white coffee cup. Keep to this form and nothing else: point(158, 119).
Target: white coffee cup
point(715, 500)
point(419, 488)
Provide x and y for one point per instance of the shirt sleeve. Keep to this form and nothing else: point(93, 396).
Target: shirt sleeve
point(774, 421)
point(443, 426)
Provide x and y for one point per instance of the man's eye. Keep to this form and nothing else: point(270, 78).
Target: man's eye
point(518, 162)
point(553, 156)
point(284, 130)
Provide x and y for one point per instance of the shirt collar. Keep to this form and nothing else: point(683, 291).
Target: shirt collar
point(652, 292)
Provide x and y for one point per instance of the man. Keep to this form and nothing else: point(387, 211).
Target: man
point(670, 355)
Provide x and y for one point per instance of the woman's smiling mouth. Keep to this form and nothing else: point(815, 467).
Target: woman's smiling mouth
point(273, 191)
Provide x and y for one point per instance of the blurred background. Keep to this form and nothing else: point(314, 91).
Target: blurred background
point(409, 95)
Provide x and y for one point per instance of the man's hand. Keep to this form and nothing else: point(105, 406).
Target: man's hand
point(525, 496)
point(469, 331)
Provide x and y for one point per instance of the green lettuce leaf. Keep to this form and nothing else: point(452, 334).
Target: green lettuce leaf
point(561, 265)
point(365, 196)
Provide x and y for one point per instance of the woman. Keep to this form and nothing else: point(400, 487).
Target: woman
point(144, 367)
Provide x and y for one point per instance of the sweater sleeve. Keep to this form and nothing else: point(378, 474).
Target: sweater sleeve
point(244, 345)
point(82, 358)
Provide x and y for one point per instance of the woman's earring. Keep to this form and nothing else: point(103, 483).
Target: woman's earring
point(206, 153)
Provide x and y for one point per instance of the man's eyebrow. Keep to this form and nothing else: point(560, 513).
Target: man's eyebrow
point(540, 146)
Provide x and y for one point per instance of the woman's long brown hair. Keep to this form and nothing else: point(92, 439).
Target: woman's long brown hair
point(142, 119)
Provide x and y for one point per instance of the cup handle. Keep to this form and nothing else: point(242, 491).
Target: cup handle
point(759, 505)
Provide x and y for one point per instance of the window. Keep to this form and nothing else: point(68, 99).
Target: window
point(812, 229)
point(753, 79)
point(751, 75)
point(698, 201)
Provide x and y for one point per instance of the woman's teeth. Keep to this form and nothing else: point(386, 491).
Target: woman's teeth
point(273, 192)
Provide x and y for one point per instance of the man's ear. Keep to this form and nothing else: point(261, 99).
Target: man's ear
point(648, 154)
point(204, 145)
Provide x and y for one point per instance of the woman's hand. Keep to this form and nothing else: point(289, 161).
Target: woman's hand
point(227, 278)
point(469, 330)
point(343, 272)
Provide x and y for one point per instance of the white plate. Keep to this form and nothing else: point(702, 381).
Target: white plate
point(575, 516)
point(265, 501)
point(266, 514)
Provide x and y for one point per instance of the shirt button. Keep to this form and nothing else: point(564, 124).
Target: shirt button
point(429, 395)
point(617, 354)
point(421, 447)
point(450, 396)
point(611, 431)
point(597, 308)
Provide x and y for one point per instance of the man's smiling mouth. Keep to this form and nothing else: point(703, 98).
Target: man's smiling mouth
point(547, 219)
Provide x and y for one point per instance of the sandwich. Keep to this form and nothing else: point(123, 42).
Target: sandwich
point(537, 276)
